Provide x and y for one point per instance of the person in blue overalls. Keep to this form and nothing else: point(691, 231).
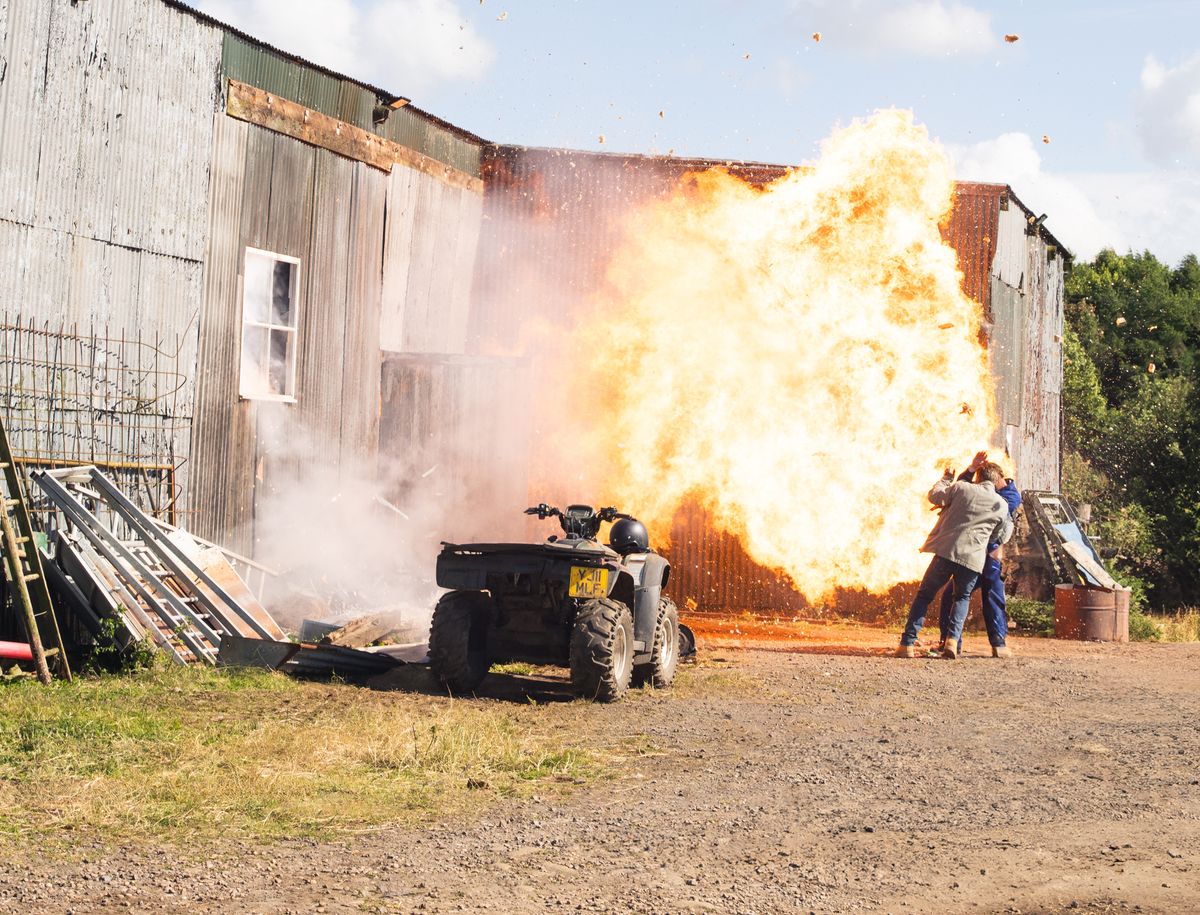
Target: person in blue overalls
point(991, 585)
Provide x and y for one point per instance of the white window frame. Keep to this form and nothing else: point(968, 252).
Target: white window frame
point(293, 330)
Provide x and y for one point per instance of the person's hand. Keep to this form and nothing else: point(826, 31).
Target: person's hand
point(949, 474)
point(978, 461)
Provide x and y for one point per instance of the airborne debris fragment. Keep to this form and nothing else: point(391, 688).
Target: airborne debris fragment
point(1046, 138)
point(1150, 368)
point(816, 36)
point(1010, 38)
point(1120, 320)
point(502, 17)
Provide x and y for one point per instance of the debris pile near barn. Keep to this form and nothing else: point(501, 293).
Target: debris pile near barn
point(115, 572)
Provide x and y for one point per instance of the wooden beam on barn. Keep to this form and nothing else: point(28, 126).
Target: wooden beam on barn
point(265, 109)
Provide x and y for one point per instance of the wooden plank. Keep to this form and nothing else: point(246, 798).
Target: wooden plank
point(249, 103)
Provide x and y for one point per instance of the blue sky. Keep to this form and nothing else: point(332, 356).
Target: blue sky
point(1113, 86)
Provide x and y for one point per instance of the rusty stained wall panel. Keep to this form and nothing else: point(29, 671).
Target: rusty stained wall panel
point(283, 196)
point(430, 251)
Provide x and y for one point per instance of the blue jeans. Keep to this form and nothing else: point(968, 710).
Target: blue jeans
point(939, 572)
point(991, 591)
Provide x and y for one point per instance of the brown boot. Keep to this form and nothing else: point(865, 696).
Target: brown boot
point(1001, 651)
point(950, 650)
point(906, 651)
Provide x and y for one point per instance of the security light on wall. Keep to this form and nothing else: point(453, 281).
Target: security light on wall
point(384, 107)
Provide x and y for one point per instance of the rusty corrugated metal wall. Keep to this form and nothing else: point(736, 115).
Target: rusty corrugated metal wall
point(552, 217)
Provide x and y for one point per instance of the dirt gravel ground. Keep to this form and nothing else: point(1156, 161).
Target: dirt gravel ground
point(816, 775)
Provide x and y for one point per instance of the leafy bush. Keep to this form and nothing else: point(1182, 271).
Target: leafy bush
point(108, 656)
point(1142, 628)
point(1031, 617)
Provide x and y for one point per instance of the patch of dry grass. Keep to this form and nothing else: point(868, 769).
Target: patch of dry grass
point(711, 678)
point(193, 754)
point(1181, 626)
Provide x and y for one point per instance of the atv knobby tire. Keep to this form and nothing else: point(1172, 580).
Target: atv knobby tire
point(602, 650)
point(659, 671)
point(458, 653)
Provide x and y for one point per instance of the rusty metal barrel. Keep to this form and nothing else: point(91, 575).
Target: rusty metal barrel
point(1091, 614)
point(1121, 596)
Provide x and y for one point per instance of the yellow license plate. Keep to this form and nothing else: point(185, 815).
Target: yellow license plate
point(588, 581)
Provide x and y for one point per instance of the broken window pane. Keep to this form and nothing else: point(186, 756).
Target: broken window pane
point(281, 293)
point(280, 368)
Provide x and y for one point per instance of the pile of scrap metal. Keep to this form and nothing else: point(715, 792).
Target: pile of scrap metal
point(108, 560)
point(1053, 549)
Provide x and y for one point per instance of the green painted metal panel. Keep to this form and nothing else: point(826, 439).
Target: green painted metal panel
point(411, 128)
point(254, 64)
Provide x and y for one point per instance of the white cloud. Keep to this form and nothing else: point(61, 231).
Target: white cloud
point(1168, 111)
point(406, 46)
point(1154, 211)
point(919, 28)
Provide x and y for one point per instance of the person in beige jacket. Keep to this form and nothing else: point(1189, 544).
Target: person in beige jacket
point(972, 517)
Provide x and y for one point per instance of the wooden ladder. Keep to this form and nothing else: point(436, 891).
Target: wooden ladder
point(23, 570)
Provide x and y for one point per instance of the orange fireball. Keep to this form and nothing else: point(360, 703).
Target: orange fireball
point(799, 359)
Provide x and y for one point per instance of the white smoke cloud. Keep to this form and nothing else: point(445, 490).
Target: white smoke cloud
point(1155, 211)
point(406, 46)
point(1168, 111)
point(918, 28)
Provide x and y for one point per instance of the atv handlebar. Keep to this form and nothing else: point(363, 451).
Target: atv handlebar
point(542, 510)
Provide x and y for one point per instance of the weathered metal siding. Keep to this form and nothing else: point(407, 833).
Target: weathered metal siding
point(430, 250)
point(280, 195)
point(103, 199)
point(99, 125)
point(1041, 413)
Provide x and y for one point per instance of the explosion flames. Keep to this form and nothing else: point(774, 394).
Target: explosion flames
point(799, 359)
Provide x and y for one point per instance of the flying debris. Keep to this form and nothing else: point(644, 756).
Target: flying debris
point(662, 114)
point(1012, 38)
point(601, 138)
point(817, 37)
point(745, 57)
point(1150, 368)
point(1046, 138)
point(1120, 320)
point(502, 17)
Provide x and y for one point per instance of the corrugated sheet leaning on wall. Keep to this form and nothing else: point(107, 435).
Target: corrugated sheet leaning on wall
point(551, 218)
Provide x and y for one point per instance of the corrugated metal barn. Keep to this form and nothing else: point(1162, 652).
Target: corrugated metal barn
point(219, 262)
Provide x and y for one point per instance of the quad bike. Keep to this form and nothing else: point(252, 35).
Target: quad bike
point(568, 601)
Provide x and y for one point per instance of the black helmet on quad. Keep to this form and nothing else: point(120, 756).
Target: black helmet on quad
point(628, 535)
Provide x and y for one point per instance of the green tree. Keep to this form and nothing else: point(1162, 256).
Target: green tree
point(1131, 402)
